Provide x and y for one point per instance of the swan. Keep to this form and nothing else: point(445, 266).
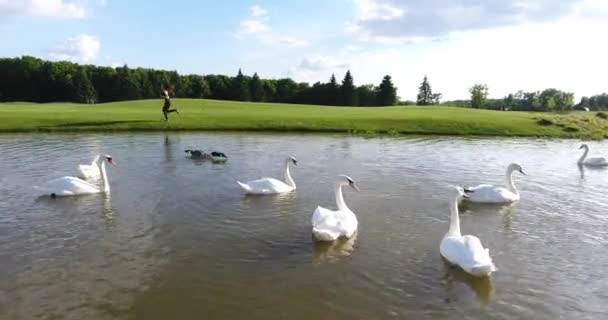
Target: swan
point(466, 252)
point(265, 186)
point(592, 162)
point(89, 171)
point(485, 193)
point(329, 225)
point(213, 156)
point(72, 186)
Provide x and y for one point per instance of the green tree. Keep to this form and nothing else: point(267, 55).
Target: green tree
point(479, 95)
point(240, 88)
point(387, 92)
point(425, 94)
point(256, 88)
point(367, 95)
point(84, 92)
point(348, 91)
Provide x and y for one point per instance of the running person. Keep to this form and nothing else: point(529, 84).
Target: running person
point(167, 103)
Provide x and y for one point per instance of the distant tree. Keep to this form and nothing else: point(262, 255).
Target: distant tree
point(240, 88)
point(333, 91)
point(195, 87)
point(366, 95)
point(256, 88)
point(479, 95)
point(84, 92)
point(270, 90)
point(347, 91)
point(387, 92)
point(425, 94)
point(286, 90)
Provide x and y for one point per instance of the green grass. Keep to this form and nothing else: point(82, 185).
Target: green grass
point(145, 115)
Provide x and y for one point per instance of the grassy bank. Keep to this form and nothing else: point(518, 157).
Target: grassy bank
point(145, 115)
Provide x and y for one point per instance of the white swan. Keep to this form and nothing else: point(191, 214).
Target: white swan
point(72, 186)
point(270, 185)
point(485, 193)
point(89, 171)
point(466, 252)
point(592, 162)
point(329, 225)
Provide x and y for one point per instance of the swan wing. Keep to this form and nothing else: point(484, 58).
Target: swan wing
point(325, 224)
point(88, 171)
point(596, 161)
point(486, 193)
point(70, 186)
point(265, 186)
point(468, 253)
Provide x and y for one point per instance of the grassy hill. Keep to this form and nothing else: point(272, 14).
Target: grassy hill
point(197, 114)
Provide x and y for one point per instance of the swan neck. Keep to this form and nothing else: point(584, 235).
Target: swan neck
point(584, 155)
point(104, 178)
point(510, 182)
point(340, 198)
point(288, 178)
point(454, 230)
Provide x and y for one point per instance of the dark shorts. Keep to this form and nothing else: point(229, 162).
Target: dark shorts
point(167, 105)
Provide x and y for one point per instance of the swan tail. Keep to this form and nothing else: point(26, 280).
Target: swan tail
point(244, 186)
point(324, 235)
point(483, 270)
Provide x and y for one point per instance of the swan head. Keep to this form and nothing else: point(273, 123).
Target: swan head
point(347, 181)
point(462, 193)
point(583, 146)
point(515, 167)
point(292, 160)
point(109, 159)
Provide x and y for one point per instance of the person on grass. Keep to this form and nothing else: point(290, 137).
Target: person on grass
point(167, 104)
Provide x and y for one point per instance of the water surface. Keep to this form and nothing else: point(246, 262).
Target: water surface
point(177, 239)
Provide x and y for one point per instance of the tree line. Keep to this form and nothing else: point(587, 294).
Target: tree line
point(32, 79)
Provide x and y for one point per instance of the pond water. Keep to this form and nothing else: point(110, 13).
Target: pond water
point(178, 240)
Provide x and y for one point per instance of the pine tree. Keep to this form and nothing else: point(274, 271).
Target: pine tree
point(240, 88)
point(348, 91)
point(333, 92)
point(387, 93)
point(256, 88)
point(425, 93)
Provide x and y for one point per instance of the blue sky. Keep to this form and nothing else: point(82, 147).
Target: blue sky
point(509, 45)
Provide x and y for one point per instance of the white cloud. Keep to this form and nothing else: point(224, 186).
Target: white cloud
point(377, 10)
point(400, 20)
point(565, 54)
point(321, 63)
point(257, 11)
point(253, 27)
point(81, 48)
point(256, 27)
point(43, 8)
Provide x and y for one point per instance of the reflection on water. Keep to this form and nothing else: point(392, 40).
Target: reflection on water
point(331, 251)
point(482, 287)
point(178, 239)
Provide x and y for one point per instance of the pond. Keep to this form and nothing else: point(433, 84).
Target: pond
point(178, 239)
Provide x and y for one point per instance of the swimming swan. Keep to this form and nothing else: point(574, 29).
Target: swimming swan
point(72, 186)
point(265, 186)
point(466, 252)
point(485, 193)
point(89, 171)
point(329, 225)
point(592, 162)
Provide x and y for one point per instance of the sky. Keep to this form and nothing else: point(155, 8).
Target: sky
point(508, 45)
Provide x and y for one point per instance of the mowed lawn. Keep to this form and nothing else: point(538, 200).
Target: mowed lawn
point(200, 114)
